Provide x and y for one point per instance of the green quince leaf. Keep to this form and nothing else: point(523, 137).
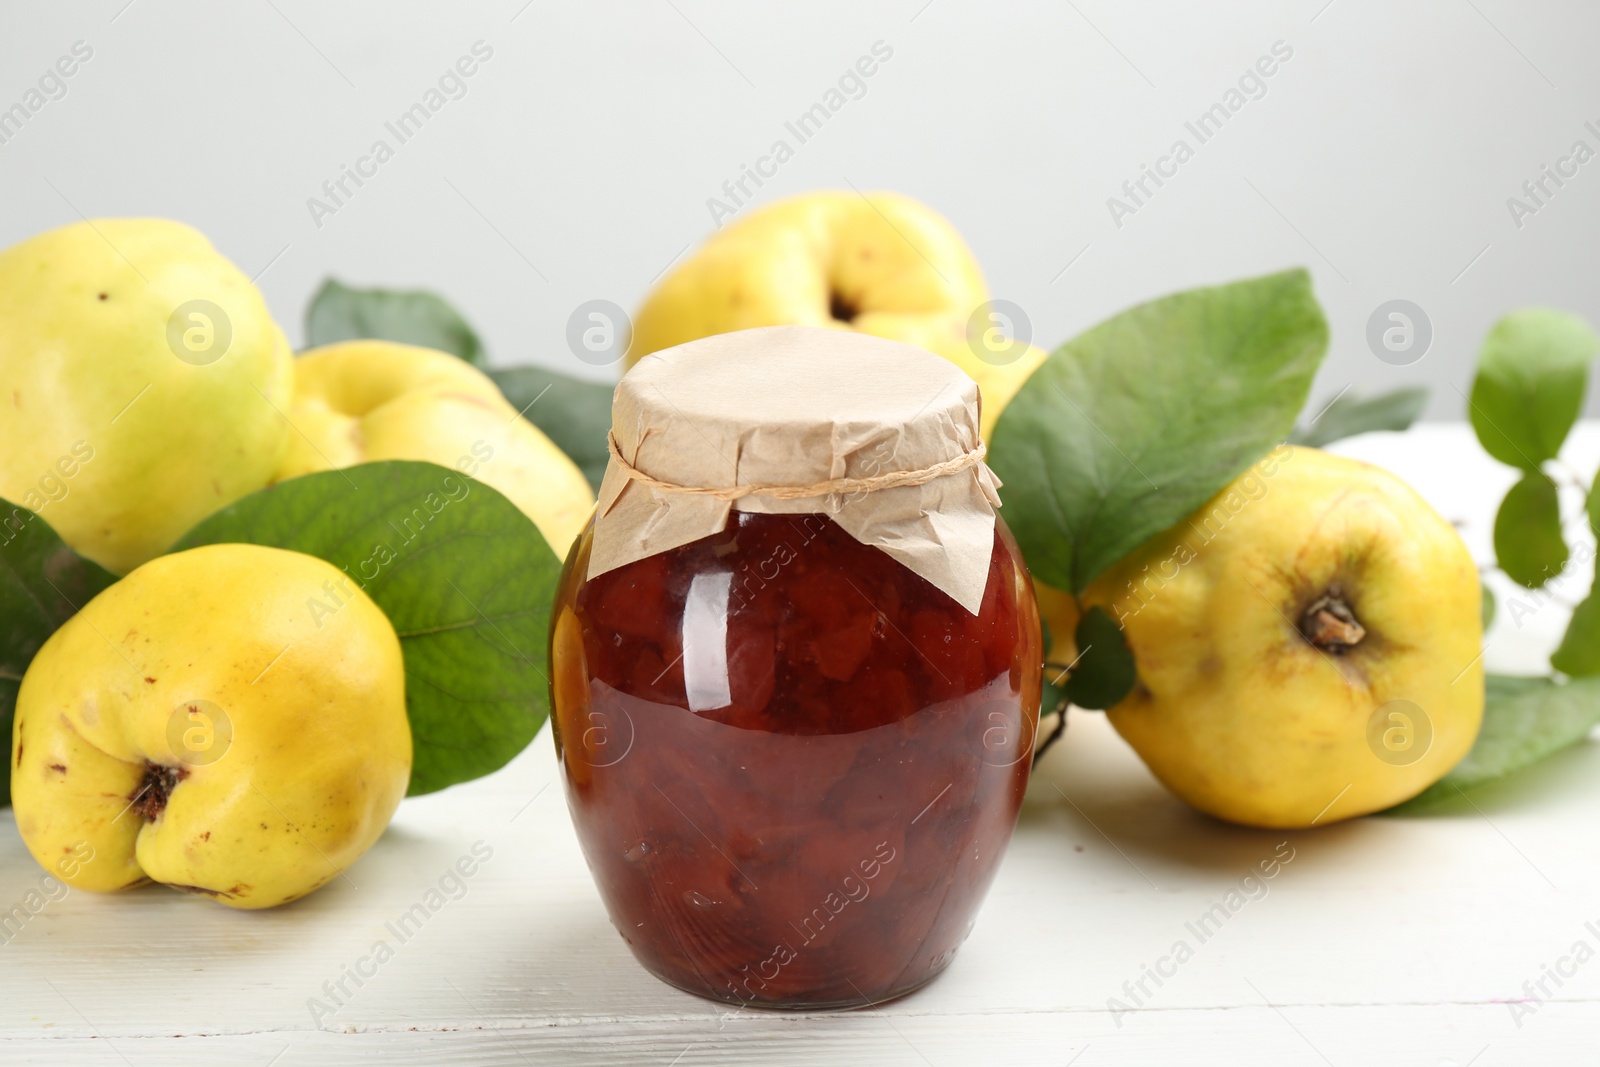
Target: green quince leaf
point(1349, 415)
point(465, 577)
point(1524, 720)
point(1105, 672)
point(408, 316)
point(1579, 652)
point(1527, 532)
point(1131, 426)
point(1532, 371)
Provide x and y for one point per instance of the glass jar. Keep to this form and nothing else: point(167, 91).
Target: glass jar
point(793, 760)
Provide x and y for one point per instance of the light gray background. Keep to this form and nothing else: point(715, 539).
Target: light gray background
point(579, 163)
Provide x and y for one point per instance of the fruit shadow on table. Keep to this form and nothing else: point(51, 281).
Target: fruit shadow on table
point(1102, 793)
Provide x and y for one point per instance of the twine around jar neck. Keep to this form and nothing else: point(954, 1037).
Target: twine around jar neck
point(869, 484)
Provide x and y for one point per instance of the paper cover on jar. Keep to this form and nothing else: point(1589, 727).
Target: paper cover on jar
point(882, 436)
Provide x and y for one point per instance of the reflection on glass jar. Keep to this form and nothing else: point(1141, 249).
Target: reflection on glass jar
point(793, 763)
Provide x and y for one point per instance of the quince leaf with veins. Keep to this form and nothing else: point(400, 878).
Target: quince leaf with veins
point(1525, 719)
point(409, 316)
point(464, 576)
point(1135, 423)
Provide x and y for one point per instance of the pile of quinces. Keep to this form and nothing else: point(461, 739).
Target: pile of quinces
point(236, 571)
point(231, 719)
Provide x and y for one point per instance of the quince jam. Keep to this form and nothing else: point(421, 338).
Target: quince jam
point(792, 763)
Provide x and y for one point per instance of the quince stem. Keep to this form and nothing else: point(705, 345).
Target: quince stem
point(1330, 625)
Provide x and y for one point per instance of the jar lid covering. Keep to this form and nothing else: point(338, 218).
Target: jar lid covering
point(880, 436)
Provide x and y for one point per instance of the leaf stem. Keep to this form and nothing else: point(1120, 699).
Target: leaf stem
point(1056, 672)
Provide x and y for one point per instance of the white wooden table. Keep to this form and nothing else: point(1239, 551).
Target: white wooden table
point(1384, 940)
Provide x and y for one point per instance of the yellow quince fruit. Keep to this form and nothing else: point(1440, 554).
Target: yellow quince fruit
point(198, 726)
point(143, 382)
point(1308, 645)
point(879, 263)
point(1060, 612)
point(361, 401)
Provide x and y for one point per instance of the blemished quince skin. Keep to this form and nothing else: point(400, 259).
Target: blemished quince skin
point(1308, 645)
point(143, 383)
point(880, 263)
point(361, 401)
point(198, 725)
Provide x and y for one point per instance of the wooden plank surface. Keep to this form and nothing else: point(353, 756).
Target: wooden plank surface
point(1384, 940)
